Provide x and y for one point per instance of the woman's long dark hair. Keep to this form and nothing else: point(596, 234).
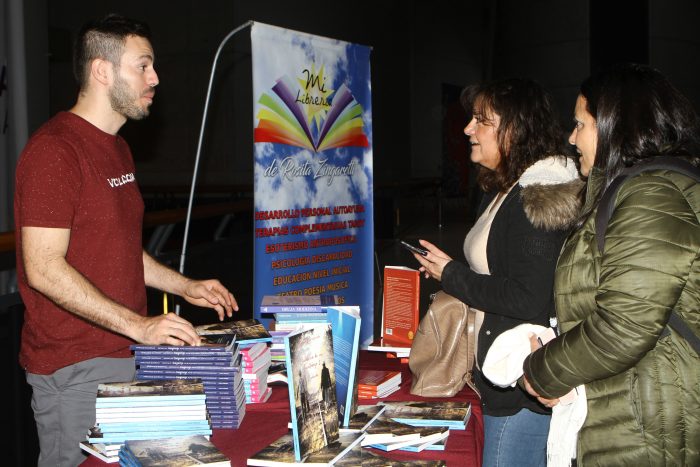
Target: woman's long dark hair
point(529, 129)
point(639, 115)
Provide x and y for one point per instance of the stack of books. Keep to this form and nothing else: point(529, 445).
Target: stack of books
point(146, 410)
point(389, 435)
point(184, 450)
point(218, 366)
point(294, 313)
point(375, 384)
point(255, 362)
point(277, 345)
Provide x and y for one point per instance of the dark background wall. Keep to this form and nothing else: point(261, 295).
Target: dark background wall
point(419, 52)
point(423, 54)
point(410, 60)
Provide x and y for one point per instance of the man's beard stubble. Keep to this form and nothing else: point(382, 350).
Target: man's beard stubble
point(125, 101)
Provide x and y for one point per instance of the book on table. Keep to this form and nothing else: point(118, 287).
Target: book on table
point(452, 414)
point(385, 430)
point(428, 436)
point(300, 317)
point(281, 452)
point(380, 344)
point(311, 385)
point(363, 417)
point(181, 450)
point(247, 331)
point(400, 303)
point(358, 456)
point(437, 446)
point(298, 303)
point(345, 324)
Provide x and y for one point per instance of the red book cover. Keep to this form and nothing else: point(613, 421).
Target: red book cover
point(400, 304)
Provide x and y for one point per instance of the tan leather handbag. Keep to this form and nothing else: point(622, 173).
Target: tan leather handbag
point(442, 353)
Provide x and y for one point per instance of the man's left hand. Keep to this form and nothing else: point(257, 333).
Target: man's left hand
point(211, 293)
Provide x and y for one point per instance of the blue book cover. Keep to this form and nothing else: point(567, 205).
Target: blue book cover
point(179, 360)
point(298, 303)
point(206, 347)
point(437, 446)
point(122, 427)
point(159, 434)
point(311, 385)
point(452, 414)
point(150, 390)
point(304, 317)
point(345, 324)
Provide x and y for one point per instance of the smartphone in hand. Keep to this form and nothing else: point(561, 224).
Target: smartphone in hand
point(414, 249)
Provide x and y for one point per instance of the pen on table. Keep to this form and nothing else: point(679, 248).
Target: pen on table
point(165, 303)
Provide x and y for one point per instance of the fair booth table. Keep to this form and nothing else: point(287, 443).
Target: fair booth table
point(264, 423)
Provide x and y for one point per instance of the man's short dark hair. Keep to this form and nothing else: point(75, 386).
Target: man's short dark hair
point(105, 39)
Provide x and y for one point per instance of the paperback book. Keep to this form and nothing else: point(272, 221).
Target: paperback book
point(345, 325)
point(363, 417)
point(247, 331)
point(281, 452)
point(428, 436)
point(400, 350)
point(454, 415)
point(400, 304)
point(184, 450)
point(311, 385)
point(385, 430)
point(101, 451)
point(437, 446)
point(298, 303)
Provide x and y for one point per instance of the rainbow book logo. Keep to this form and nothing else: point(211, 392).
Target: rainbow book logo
point(308, 118)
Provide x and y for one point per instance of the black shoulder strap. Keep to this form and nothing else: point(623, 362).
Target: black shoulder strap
point(607, 201)
point(607, 206)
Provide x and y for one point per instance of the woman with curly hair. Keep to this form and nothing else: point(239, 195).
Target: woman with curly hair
point(532, 198)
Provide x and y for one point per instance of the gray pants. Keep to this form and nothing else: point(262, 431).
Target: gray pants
point(64, 406)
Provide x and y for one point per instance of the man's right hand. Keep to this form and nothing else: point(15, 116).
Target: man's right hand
point(167, 329)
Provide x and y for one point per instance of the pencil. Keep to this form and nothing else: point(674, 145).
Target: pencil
point(165, 303)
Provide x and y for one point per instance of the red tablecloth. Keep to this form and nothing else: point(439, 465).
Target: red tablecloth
point(264, 423)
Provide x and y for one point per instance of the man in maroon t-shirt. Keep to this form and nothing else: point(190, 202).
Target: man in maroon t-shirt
point(81, 268)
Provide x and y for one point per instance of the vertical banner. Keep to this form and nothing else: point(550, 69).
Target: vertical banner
point(314, 231)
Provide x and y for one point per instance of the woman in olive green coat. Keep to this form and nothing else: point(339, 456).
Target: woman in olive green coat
point(642, 381)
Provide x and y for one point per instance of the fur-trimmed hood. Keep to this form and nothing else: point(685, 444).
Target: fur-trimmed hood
point(551, 193)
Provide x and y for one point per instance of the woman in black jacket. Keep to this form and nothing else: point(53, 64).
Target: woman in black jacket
point(532, 196)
